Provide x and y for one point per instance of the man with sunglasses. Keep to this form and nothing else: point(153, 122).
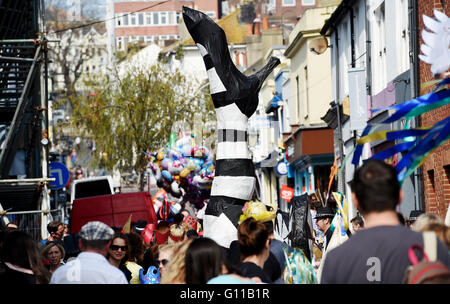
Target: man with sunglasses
point(91, 265)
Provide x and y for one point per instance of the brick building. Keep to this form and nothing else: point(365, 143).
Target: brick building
point(148, 21)
point(436, 168)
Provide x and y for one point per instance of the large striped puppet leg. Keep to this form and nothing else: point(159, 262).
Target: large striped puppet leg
point(235, 98)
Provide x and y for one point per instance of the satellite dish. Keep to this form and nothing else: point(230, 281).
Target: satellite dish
point(318, 45)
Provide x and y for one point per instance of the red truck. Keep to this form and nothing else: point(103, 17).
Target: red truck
point(113, 209)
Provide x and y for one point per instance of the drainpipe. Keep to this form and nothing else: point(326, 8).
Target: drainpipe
point(341, 175)
point(414, 73)
point(368, 58)
point(352, 34)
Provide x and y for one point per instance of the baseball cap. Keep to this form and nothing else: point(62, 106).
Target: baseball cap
point(95, 230)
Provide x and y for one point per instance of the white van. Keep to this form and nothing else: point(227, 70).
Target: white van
point(92, 186)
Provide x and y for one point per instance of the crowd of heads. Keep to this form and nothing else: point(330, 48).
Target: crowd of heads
point(177, 252)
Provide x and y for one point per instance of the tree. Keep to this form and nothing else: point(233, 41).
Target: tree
point(69, 23)
point(134, 114)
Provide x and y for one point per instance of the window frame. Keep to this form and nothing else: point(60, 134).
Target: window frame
point(283, 3)
point(308, 4)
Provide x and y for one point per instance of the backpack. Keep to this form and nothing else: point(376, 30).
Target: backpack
point(298, 269)
point(429, 270)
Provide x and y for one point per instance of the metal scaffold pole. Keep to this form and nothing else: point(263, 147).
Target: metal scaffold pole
point(45, 202)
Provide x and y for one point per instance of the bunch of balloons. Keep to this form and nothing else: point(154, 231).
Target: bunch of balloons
point(184, 169)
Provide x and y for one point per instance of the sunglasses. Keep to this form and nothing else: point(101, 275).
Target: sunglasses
point(163, 262)
point(116, 247)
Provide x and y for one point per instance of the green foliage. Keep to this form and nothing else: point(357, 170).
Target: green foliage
point(134, 114)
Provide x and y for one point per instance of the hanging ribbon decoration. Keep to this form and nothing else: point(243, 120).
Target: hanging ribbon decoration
point(341, 218)
point(417, 143)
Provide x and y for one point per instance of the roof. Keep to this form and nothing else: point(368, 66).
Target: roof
point(235, 32)
point(336, 17)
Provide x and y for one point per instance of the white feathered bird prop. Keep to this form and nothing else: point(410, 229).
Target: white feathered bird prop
point(437, 42)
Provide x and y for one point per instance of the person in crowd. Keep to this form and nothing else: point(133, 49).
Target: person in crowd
point(66, 231)
point(162, 232)
point(401, 218)
point(254, 245)
point(118, 253)
point(135, 256)
point(357, 223)
point(54, 253)
point(12, 225)
point(21, 262)
point(206, 263)
point(91, 265)
point(442, 231)
point(151, 250)
point(56, 231)
point(185, 213)
point(379, 252)
point(177, 230)
point(191, 234)
point(139, 226)
point(78, 172)
point(414, 216)
point(176, 267)
point(424, 220)
point(164, 256)
point(323, 219)
point(314, 204)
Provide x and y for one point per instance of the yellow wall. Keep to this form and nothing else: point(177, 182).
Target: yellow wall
point(315, 81)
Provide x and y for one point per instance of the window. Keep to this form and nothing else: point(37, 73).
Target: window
point(288, 3)
point(155, 18)
point(148, 18)
point(163, 17)
point(141, 18)
point(118, 20)
point(125, 20)
point(133, 19)
point(379, 49)
point(178, 17)
point(172, 17)
point(305, 91)
point(308, 2)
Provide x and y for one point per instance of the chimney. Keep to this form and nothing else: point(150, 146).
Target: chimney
point(265, 24)
point(257, 26)
point(249, 29)
point(244, 59)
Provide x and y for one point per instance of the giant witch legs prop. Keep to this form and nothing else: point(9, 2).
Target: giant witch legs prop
point(235, 98)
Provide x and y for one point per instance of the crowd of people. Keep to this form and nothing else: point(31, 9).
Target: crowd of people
point(177, 252)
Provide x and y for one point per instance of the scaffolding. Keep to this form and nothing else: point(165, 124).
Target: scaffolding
point(24, 112)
